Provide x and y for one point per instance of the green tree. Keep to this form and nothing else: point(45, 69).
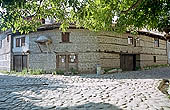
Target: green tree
point(91, 14)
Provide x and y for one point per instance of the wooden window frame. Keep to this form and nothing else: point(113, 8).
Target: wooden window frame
point(75, 60)
point(131, 40)
point(65, 37)
point(156, 42)
point(18, 42)
point(22, 41)
point(9, 35)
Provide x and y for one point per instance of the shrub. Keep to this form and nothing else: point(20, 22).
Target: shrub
point(5, 72)
point(59, 72)
point(13, 72)
point(24, 71)
point(155, 66)
point(36, 71)
point(138, 68)
point(73, 71)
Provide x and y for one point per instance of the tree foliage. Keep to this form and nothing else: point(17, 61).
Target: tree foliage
point(91, 14)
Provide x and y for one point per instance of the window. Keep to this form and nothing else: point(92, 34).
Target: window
point(20, 42)
point(156, 42)
point(8, 36)
point(0, 43)
point(135, 42)
point(130, 40)
point(72, 58)
point(43, 21)
point(65, 36)
point(154, 58)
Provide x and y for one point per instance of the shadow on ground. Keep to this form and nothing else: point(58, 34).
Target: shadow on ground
point(13, 88)
point(91, 106)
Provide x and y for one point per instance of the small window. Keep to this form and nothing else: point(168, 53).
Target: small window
point(0, 43)
point(154, 58)
point(18, 42)
point(43, 21)
point(135, 42)
point(8, 36)
point(22, 41)
point(156, 42)
point(72, 58)
point(65, 36)
point(130, 40)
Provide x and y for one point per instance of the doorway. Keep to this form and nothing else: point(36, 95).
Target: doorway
point(128, 62)
point(19, 62)
point(66, 62)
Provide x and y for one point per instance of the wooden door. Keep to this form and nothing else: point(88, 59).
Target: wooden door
point(61, 62)
point(19, 62)
point(24, 62)
point(127, 62)
point(67, 62)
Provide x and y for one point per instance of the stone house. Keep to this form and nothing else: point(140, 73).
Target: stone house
point(80, 49)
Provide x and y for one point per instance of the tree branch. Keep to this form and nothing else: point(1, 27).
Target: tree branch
point(132, 7)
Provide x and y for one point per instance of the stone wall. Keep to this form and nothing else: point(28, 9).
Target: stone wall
point(5, 55)
point(168, 51)
point(94, 48)
point(82, 42)
point(111, 45)
point(45, 61)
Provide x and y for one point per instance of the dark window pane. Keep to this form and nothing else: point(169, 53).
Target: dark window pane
point(154, 58)
point(43, 21)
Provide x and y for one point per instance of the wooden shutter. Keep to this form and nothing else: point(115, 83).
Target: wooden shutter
point(18, 63)
point(65, 36)
point(24, 62)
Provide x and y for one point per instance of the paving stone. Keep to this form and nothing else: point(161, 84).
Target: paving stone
point(85, 92)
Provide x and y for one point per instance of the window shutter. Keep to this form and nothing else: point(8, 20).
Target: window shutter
point(65, 36)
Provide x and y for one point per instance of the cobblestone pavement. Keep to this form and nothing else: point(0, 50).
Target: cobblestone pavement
point(128, 91)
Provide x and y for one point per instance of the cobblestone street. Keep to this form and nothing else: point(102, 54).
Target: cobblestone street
point(135, 90)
